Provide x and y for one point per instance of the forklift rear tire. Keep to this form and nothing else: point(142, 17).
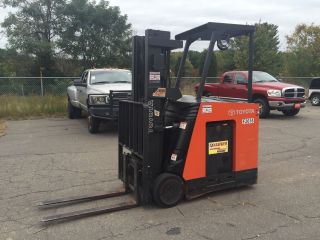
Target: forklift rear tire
point(93, 124)
point(168, 190)
point(264, 109)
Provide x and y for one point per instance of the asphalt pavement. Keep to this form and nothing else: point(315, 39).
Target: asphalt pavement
point(52, 158)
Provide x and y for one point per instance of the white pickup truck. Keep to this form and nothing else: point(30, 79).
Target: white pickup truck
point(98, 93)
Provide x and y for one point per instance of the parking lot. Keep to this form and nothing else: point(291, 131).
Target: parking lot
point(52, 158)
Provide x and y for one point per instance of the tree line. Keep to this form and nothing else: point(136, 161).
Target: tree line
point(300, 59)
point(62, 38)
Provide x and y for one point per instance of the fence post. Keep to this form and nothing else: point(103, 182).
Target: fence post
point(41, 82)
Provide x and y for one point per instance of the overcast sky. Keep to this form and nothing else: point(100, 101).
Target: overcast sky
point(180, 15)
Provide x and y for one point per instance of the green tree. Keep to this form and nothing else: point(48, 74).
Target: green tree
point(266, 49)
point(302, 57)
point(14, 64)
point(194, 57)
point(213, 64)
point(95, 33)
point(6, 65)
point(32, 29)
point(225, 61)
point(175, 63)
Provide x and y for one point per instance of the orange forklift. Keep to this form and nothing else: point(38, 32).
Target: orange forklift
point(173, 147)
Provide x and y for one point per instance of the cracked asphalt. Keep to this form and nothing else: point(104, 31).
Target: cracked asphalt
point(51, 158)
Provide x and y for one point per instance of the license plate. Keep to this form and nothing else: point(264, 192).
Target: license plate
point(297, 105)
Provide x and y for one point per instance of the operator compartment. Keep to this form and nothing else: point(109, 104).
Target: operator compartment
point(180, 118)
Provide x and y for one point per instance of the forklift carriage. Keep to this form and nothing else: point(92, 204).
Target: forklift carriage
point(172, 146)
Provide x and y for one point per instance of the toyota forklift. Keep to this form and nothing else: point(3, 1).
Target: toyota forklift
point(173, 147)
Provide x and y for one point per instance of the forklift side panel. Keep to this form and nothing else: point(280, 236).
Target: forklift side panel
point(245, 132)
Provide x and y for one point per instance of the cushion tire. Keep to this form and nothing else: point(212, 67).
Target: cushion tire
point(168, 190)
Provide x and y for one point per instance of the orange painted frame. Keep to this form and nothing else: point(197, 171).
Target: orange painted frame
point(245, 136)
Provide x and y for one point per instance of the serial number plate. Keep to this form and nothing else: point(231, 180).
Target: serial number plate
point(247, 120)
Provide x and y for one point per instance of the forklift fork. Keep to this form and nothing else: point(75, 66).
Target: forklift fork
point(131, 203)
point(129, 174)
point(78, 199)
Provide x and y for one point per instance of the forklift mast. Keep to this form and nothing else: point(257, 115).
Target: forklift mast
point(151, 65)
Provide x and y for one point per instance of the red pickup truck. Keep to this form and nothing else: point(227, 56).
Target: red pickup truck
point(267, 91)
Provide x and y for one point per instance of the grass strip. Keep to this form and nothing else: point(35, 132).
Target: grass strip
point(25, 107)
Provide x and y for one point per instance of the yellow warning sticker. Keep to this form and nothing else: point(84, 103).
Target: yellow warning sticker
point(218, 147)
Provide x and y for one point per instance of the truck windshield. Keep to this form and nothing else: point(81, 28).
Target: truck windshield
point(107, 77)
point(263, 77)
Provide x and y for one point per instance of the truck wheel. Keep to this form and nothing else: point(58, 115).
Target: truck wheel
point(73, 112)
point(167, 190)
point(264, 109)
point(206, 94)
point(93, 124)
point(291, 112)
point(315, 99)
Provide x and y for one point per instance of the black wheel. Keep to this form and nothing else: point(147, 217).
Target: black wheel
point(315, 99)
point(264, 109)
point(73, 112)
point(93, 124)
point(206, 94)
point(291, 112)
point(167, 190)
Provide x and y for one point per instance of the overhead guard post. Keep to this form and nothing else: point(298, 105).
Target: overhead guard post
point(250, 67)
point(206, 67)
point(182, 62)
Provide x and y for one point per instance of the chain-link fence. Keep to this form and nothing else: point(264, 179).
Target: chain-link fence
point(37, 86)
